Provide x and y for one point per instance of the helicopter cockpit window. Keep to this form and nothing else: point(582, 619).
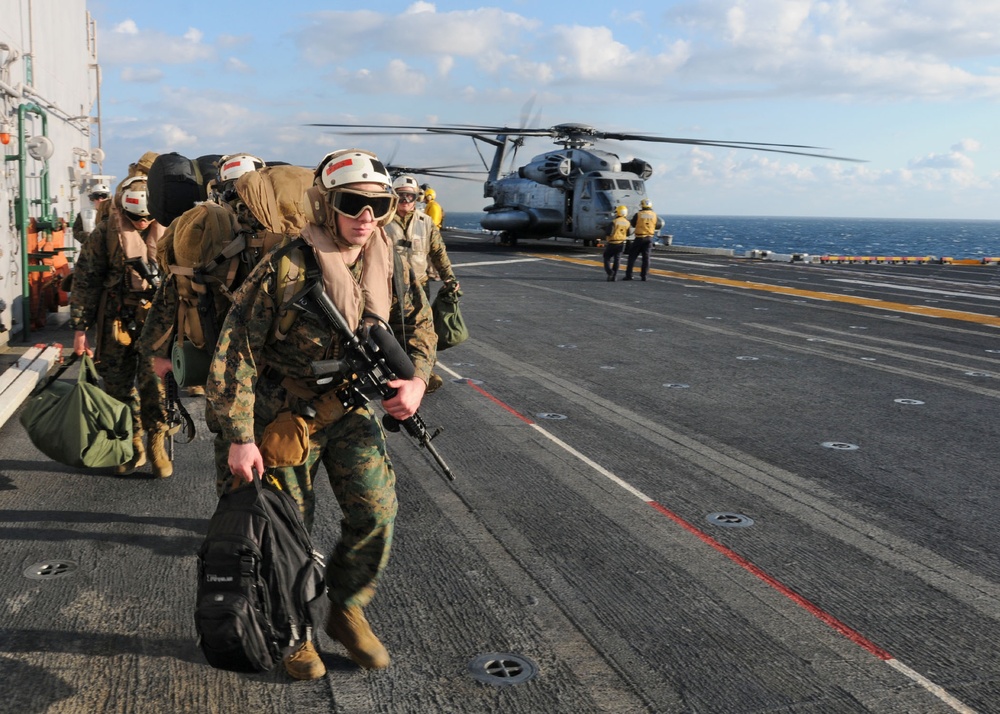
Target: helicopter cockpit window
point(623, 184)
point(639, 187)
point(604, 184)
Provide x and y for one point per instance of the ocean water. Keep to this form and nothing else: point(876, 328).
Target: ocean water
point(823, 236)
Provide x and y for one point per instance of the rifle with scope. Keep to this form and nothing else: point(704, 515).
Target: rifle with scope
point(370, 363)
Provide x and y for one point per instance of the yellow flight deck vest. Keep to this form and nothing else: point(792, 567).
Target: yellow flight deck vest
point(645, 223)
point(619, 231)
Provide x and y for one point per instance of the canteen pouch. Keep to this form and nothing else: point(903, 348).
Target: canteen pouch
point(119, 333)
point(285, 441)
point(328, 409)
point(190, 364)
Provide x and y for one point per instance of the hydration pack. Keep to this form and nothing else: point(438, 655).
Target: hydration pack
point(259, 580)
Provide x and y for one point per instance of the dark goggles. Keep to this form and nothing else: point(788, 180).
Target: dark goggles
point(407, 197)
point(136, 218)
point(351, 203)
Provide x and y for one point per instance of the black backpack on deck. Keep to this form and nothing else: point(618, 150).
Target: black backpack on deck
point(259, 580)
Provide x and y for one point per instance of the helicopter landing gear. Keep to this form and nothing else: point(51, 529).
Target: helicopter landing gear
point(509, 239)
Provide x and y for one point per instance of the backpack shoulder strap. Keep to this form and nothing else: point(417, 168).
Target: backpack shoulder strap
point(292, 271)
point(398, 288)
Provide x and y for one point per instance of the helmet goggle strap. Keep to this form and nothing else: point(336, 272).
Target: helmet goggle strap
point(352, 203)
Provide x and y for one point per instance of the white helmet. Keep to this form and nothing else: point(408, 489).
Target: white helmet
point(340, 168)
point(99, 190)
point(134, 198)
point(235, 165)
point(406, 183)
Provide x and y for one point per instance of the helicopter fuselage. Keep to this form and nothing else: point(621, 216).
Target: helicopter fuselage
point(572, 193)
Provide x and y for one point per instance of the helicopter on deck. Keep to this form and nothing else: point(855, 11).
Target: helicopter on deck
point(571, 192)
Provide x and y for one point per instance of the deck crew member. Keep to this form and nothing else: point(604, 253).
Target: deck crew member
point(432, 208)
point(620, 228)
point(645, 223)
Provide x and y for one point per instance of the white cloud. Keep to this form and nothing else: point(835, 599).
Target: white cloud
point(127, 27)
point(234, 64)
point(128, 45)
point(593, 54)
point(415, 33)
point(951, 160)
point(396, 78)
point(877, 49)
point(144, 75)
point(967, 146)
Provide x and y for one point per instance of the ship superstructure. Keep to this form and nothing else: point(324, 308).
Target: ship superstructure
point(50, 139)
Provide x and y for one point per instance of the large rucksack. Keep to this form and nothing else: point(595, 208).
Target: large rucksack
point(208, 252)
point(259, 580)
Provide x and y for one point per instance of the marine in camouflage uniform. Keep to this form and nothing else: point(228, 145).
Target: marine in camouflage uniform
point(111, 297)
point(255, 374)
point(416, 237)
point(159, 331)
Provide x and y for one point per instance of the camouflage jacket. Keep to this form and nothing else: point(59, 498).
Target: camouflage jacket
point(155, 339)
point(247, 349)
point(100, 268)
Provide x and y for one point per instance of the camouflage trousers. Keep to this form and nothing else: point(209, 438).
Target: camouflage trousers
point(353, 451)
point(124, 369)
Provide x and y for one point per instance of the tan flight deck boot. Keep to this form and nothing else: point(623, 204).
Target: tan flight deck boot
point(162, 466)
point(138, 456)
point(349, 627)
point(304, 662)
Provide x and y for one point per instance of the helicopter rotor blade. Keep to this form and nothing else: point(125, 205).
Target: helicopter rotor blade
point(582, 133)
point(749, 145)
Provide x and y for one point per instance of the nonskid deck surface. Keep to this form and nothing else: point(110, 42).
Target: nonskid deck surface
point(739, 486)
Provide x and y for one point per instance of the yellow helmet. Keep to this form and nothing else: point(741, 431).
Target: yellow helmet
point(622, 211)
point(645, 203)
point(429, 194)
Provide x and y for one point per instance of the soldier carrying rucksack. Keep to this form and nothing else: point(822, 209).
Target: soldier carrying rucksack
point(206, 254)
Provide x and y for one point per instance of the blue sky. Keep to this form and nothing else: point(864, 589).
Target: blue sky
point(911, 86)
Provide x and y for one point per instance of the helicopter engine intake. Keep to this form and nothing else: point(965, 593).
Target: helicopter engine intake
point(640, 168)
point(552, 170)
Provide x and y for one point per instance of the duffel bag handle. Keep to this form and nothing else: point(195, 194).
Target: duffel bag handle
point(44, 384)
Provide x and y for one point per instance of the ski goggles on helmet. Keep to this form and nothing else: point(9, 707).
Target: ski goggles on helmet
point(352, 203)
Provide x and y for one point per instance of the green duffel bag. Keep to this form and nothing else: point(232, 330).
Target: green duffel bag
point(78, 424)
point(448, 322)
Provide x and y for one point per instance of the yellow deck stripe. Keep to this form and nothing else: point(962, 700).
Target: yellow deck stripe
point(782, 290)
